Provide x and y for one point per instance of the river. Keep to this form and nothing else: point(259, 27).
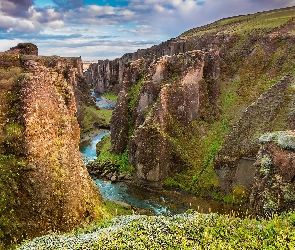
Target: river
point(160, 202)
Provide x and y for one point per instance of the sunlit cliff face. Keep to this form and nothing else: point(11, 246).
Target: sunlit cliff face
point(39, 147)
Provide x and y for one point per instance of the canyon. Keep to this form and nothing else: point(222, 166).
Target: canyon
point(210, 112)
point(191, 110)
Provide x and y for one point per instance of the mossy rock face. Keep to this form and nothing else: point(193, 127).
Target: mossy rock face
point(44, 185)
point(275, 174)
point(242, 140)
point(12, 152)
point(220, 86)
point(105, 76)
point(151, 166)
point(120, 124)
point(154, 102)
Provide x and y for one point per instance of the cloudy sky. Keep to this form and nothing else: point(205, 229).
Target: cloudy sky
point(101, 29)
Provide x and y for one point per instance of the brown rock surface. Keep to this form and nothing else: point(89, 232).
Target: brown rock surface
point(159, 101)
point(52, 188)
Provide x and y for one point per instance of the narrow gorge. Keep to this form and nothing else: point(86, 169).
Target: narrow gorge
point(191, 110)
point(208, 116)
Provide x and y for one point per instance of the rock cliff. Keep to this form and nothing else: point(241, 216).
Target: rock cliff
point(241, 143)
point(191, 109)
point(274, 186)
point(44, 184)
point(105, 76)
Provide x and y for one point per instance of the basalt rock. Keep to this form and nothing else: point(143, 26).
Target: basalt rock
point(44, 183)
point(25, 49)
point(105, 76)
point(108, 76)
point(274, 186)
point(107, 170)
point(159, 102)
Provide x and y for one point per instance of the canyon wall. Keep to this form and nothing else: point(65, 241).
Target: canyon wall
point(107, 75)
point(191, 110)
point(241, 143)
point(45, 186)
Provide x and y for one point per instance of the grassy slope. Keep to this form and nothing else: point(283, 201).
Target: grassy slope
point(110, 96)
point(109, 160)
point(93, 116)
point(244, 25)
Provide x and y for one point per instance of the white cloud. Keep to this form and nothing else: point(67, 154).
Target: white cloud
point(17, 24)
point(6, 44)
point(6, 22)
point(56, 24)
point(126, 12)
point(159, 9)
point(108, 31)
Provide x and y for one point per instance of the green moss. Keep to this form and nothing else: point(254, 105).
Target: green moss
point(171, 182)
point(113, 209)
point(134, 93)
point(10, 224)
point(237, 198)
point(197, 145)
point(11, 151)
point(94, 118)
point(106, 158)
point(186, 231)
point(110, 96)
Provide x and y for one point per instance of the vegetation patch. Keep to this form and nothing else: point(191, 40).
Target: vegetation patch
point(284, 139)
point(184, 231)
point(95, 118)
point(109, 160)
point(10, 224)
point(197, 149)
point(110, 96)
point(113, 209)
point(134, 93)
point(11, 151)
point(246, 24)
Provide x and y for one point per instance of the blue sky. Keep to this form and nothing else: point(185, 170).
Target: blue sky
point(108, 29)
